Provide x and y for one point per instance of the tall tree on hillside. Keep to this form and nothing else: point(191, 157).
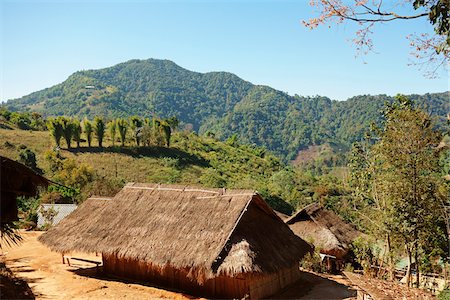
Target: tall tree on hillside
point(122, 125)
point(56, 131)
point(136, 125)
point(68, 130)
point(406, 187)
point(173, 122)
point(88, 131)
point(167, 132)
point(112, 128)
point(77, 131)
point(99, 130)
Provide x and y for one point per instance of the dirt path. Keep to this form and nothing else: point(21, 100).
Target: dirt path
point(315, 286)
point(50, 279)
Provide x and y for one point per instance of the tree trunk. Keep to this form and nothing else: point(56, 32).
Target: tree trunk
point(390, 261)
point(416, 258)
point(408, 270)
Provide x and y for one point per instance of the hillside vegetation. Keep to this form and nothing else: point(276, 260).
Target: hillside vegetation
point(217, 102)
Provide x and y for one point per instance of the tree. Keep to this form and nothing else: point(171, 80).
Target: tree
point(77, 131)
point(112, 127)
point(28, 158)
point(433, 50)
point(88, 131)
point(122, 126)
point(407, 195)
point(136, 125)
point(167, 132)
point(99, 130)
point(56, 130)
point(173, 122)
point(68, 130)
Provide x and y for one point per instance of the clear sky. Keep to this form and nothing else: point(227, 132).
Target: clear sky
point(264, 42)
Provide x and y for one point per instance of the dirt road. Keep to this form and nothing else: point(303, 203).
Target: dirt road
point(50, 279)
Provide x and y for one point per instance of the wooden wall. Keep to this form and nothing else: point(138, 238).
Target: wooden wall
point(263, 286)
point(255, 286)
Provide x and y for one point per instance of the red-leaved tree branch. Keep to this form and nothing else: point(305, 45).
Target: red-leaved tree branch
point(429, 51)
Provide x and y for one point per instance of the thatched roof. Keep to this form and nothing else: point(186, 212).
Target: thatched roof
point(16, 180)
point(209, 232)
point(326, 230)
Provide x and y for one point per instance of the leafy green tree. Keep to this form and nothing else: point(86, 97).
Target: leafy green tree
point(77, 131)
point(136, 125)
point(56, 130)
point(28, 158)
point(112, 127)
point(405, 183)
point(68, 129)
point(167, 131)
point(122, 125)
point(88, 130)
point(22, 120)
point(99, 130)
point(173, 122)
point(37, 121)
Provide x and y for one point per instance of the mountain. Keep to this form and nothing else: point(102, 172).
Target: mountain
point(218, 102)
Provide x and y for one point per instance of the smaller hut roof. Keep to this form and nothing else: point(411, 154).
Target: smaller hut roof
point(209, 232)
point(16, 180)
point(326, 230)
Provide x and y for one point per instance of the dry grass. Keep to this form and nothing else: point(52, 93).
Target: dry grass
point(129, 164)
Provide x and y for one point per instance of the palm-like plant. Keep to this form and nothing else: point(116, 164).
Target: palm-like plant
point(122, 125)
point(99, 130)
point(88, 131)
point(77, 131)
point(112, 127)
point(56, 130)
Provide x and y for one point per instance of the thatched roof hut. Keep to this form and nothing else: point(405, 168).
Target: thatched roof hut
point(327, 231)
point(16, 180)
point(215, 243)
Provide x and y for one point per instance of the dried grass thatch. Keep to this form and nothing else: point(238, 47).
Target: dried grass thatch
point(208, 232)
point(16, 180)
point(326, 230)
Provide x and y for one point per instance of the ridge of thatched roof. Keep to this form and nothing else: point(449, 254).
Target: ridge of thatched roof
point(207, 231)
point(328, 231)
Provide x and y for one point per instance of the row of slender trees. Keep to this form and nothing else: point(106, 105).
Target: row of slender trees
point(145, 132)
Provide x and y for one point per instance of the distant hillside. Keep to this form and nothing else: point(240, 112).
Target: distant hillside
point(219, 102)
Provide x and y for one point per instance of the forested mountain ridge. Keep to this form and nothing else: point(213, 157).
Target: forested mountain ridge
point(218, 102)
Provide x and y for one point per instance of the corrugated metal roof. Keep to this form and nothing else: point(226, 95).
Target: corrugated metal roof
point(62, 210)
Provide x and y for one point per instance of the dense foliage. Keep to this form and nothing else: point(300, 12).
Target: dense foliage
point(219, 103)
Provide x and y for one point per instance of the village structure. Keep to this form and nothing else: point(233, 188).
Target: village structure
point(213, 243)
point(328, 232)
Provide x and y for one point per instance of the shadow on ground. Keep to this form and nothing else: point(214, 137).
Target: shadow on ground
point(150, 151)
point(312, 286)
point(97, 273)
point(309, 286)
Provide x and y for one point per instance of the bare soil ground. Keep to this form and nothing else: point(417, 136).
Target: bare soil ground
point(319, 286)
point(50, 279)
point(382, 289)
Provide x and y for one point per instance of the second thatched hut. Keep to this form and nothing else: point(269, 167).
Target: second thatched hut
point(211, 243)
point(329, 233)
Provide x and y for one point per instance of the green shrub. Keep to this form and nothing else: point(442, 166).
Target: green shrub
point(445, 294)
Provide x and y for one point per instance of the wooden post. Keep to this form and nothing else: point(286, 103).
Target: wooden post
point(62, 256)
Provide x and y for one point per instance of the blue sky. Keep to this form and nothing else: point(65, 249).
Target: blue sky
point(264, 42)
